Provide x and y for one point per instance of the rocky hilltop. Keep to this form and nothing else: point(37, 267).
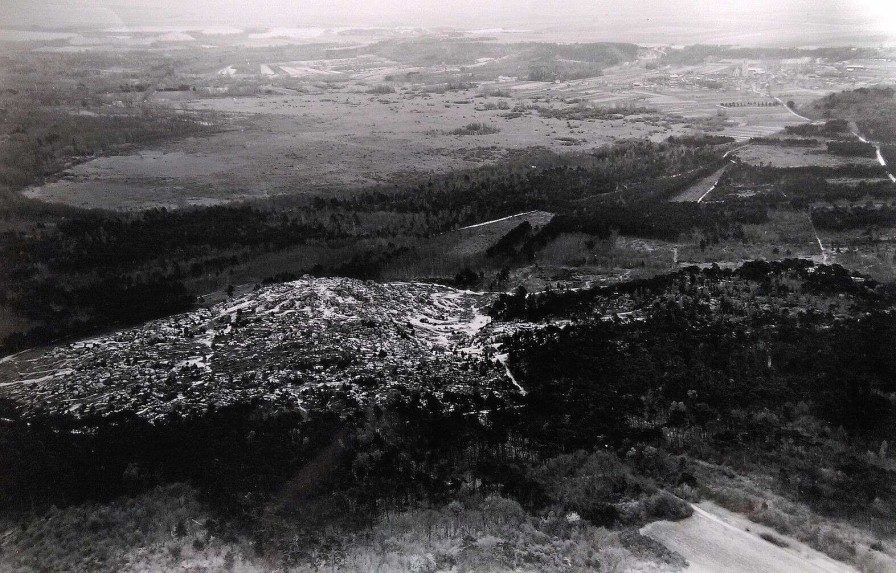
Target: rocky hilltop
point(287, 345)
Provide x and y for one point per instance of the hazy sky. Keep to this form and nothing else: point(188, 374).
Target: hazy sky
point(612, 16)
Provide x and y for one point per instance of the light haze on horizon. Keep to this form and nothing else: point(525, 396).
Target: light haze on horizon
point(745, 22)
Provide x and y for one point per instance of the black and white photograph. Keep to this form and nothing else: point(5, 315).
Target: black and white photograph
point(447, 286)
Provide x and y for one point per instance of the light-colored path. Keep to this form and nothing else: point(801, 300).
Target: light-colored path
point(714, 540)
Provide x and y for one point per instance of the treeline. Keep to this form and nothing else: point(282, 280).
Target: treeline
point(802, 192)
point(717, 221)
point(700, 139)
point(763, 103)
point(814, 279)
point(852, 149)
point(100, 240)
point(565, 303)
point(838, 218)
point(744, 173)
point(555, 183)
point(639, 210)
point(785, 142)
point(582, 112)
point(831, 128)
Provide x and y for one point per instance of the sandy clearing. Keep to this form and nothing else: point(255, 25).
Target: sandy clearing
point(715, 540)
